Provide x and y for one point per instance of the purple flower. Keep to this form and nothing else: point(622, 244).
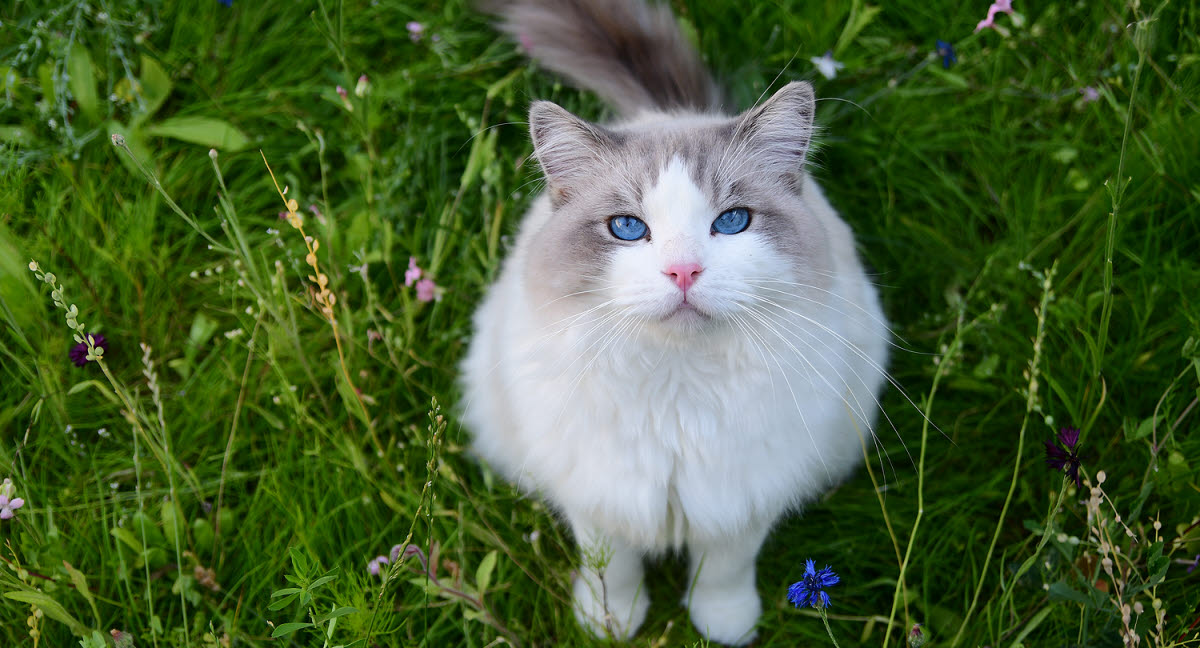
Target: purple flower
point(1065, 458)
point(79, 351)
point(1090, 94)
point(415, 30)
point(946, 51)
point(810, 590)
point(375, 565)
point(8, 503)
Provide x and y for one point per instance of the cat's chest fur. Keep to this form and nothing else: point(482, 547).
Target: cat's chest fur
point(659, 441)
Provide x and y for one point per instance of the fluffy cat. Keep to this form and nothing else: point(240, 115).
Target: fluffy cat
point(682, 345)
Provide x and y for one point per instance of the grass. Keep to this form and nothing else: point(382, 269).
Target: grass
point(262, 449)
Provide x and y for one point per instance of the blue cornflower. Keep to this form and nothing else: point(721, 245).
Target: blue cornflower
point(227, 3)
point(810, 590)
point(946, 51)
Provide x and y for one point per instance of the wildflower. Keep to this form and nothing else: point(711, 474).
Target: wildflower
point(118, 139)
point(810, 590)
point(413, 273)
point(415, 30)
point(79, 352)
point(375, 565)
point(427, 291)
point(1065, 459)
point(394, 554)
point(999, 6)
point(826, 65)
point(360, 88)
point(1192, 567)
point(227, 3)
point(916, 636)
point(1090, 94)
point(8, 503)
point(121, 638)
point(345, 98)
point(946, 51)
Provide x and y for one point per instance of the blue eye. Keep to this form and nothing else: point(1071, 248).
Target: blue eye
point(732, 221)
point(627, 228)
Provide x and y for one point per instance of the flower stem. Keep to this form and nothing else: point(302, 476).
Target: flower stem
point(825, 620)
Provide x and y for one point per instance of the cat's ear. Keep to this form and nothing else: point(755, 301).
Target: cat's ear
point(780, 129)
point(567, 147)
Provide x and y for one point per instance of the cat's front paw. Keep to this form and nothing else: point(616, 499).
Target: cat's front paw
point(609, 611)
point(726, 616)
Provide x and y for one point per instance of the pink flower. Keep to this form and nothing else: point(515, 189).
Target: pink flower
point(999, 6)
point(427, 290)
point(345, 99)
point(413, 273)
point(415, 30)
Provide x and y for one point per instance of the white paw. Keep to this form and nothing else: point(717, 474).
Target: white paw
point(620, 618)
point(726, 616)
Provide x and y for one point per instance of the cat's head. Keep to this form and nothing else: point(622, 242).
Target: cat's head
point(683, 223)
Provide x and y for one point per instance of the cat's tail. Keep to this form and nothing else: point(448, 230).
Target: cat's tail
point(630, 53)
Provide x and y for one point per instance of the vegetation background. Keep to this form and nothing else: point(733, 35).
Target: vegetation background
point(1030, 210)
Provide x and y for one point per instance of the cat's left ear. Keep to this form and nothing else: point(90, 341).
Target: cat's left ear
point(568, 148)
point(780, 129)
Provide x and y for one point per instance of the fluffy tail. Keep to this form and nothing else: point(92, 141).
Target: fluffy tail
point(628, 52)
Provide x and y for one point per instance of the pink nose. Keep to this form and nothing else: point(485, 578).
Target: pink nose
point(684, 274)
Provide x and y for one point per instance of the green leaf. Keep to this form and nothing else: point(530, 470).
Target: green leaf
point(156, 87)
point(289, 628)
point(205, 131)
point(202, 535)
point(50, 608)
point(1142, 431)
point(82, 82)
point(322, 580)
point(340, 612)
point(282, 603)
point(284, 592)
point(860, 16)
point(483, 575)
point(172, 521)
point(98, 386)
point(299, 560)
point(126, 536)
point(147, 531)
point(1060, 591)
point(81, 586)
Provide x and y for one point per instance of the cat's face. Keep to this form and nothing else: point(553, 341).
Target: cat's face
point(676, 224)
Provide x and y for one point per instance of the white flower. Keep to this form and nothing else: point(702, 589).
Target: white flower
point(826, 65)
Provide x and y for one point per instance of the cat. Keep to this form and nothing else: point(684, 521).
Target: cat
point(682, 345)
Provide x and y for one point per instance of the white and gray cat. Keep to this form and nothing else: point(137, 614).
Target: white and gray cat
point(683, 345)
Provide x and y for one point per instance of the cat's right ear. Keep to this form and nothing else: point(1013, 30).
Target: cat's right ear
point(567, 147)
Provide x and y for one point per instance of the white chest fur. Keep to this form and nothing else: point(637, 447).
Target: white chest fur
point(656, 442)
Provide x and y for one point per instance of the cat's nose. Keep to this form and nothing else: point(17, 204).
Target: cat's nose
point(684, 274)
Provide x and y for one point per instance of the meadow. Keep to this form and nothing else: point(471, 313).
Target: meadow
point(273, 405)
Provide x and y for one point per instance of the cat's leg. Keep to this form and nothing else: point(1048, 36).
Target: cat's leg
point(722, 597)
point(610, 598)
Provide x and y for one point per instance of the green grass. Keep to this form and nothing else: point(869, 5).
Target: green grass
point(250, 455)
